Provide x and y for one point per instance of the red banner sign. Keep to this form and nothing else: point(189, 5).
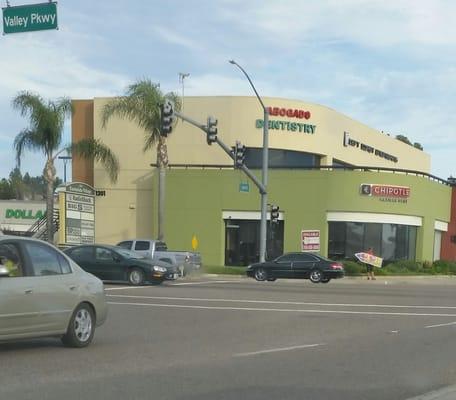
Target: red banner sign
point(402, 192)
point(310, 240)
point(289, 112)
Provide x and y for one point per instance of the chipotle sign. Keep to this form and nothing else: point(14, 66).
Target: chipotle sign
point(387, 191)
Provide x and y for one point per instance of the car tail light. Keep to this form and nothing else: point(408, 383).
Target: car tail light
point(337, 266)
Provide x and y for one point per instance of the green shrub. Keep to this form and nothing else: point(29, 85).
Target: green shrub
point(444, 267)
point(354, 268)
point(404, 267)
point(217, 269)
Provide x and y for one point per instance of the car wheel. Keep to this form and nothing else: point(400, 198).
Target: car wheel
point(136, 277)
point(325, 280)
point(316, 276)
point(261, 274)
point(81, 328)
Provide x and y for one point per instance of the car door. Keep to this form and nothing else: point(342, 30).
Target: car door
point(108, 265)
point(84, 257)
point(282, 267)
point(18, 309)
point(51, 289)
point(142, 247)
point(303, 264)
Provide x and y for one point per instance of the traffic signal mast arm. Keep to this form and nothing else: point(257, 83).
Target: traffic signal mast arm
point(225, 148)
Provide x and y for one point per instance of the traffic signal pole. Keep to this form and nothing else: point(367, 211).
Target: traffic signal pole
point(228, 151)
point(167, 116)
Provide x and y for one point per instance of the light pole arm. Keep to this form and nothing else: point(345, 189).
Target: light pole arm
point(250, 81)
point(264, 168)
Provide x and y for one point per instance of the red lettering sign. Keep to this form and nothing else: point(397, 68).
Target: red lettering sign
point(390, 191)
point(289, 112)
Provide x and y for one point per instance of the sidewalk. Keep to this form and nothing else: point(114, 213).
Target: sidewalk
point(391, 279)
point(447, 393)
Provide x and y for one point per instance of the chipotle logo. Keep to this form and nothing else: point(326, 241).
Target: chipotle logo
point(289, 112)
point(398, 192)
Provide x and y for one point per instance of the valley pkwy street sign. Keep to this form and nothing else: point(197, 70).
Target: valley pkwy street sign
point(31, 17)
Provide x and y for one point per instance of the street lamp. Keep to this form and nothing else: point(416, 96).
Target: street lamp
point(264, 169)
point(182, 76)
point(65, 160)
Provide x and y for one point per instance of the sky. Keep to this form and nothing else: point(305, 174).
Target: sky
point(389, 64)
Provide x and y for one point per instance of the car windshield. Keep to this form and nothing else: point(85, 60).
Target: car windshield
point(128, 253)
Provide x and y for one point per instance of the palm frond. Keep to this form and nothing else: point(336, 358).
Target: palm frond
point(46, 119)
point(25, 140)
point(95, 150)
point(140, 105)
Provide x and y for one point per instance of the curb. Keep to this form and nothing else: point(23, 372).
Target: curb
point(447, 393)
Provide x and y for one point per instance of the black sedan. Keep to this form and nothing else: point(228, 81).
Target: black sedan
point(297, 266)
point(112, 263)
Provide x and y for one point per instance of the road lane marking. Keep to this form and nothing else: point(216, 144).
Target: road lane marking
point(126, 287)
point(172, 284)
point(439, 325)
point(254, 353)
point(203, 283)
point(296, 303)
point(282, 310)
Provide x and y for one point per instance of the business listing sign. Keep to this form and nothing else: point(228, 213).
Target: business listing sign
point(77, 200)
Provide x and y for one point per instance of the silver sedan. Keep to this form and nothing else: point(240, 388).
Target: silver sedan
point(45, 293)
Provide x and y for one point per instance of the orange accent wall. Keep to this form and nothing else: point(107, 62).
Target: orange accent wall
point(82, 128)
point(448, 250)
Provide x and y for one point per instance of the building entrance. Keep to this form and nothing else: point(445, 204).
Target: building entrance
point(242, 241)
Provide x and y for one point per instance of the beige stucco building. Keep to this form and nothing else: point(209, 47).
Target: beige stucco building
point(303, 137)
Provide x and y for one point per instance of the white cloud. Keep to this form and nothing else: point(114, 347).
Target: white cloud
point(367, 22)
point(389, 64)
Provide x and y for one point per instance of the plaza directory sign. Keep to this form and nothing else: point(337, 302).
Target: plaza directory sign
point(30, 17)
point(77, 214)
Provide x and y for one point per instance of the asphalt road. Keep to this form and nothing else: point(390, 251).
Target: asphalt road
point(220, 338)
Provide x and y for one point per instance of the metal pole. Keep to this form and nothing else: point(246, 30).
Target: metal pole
point(264, 168)
point(65, 161)
point(264, 195)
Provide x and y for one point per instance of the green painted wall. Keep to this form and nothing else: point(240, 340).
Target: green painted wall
point(195, 199)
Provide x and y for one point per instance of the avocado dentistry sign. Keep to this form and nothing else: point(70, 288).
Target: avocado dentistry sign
point(291, 126)
point(31, 17)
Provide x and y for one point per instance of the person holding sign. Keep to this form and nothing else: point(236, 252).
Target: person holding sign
point(370, 267)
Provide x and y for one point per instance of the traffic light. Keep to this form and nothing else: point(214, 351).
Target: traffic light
point(166, 117)
point(211, 130)
point(274, 213)
point(239, 155)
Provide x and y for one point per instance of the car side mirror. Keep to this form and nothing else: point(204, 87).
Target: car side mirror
point(117, 258)
point(4, 273)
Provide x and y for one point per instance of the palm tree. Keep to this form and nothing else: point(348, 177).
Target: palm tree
point(141, 104)
point(45, 135)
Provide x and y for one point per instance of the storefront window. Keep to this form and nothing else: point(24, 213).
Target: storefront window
point(389, 241)
point(280, 158)
point(354, 238)
point(242, 241)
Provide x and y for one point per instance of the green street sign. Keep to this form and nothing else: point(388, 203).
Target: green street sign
point(31, 17)
point(244, 187)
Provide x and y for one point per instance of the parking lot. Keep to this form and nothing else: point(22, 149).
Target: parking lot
point(233, 338)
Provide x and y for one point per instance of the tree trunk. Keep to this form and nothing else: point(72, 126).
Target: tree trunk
point(49, 176)
point(162, 161)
